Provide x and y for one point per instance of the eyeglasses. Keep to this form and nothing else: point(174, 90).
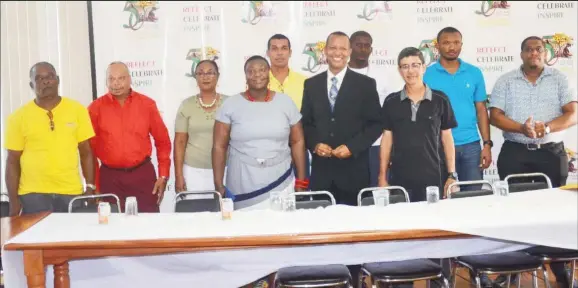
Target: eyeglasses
point(51, 117)
point(208, 74)
point(406, 67)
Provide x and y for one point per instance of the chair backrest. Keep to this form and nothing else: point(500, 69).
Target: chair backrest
point(313, 203)
point(528, 186)
point(473, 193)
point(4, 205)
point(393, 197)
point(87, 207)
point(198, 201)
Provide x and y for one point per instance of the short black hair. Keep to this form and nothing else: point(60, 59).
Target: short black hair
point(448, 30)
point(531, 38)
point(255, 57)
point(208, 61)
point(39, 64)
point(360, 34)
point(336, 33)
point(408, 52)
point(278, 37)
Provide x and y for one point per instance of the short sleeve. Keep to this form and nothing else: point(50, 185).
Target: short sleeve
point(225, 112)
point(498, 96)
point(480, 94)
point(292, 112)
point(85, 130)
point(182, 120)
point(385, 114)
point(566, 93)
point(14, 139)
point(448, 120)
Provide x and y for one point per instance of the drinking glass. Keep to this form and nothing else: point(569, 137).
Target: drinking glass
point(289, 204)
point(502, 188)
point(227, 208)
point(275, 201)
point(381, 197)
point(131, 206)
point(433, 194)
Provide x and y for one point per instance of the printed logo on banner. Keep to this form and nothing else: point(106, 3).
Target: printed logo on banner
point(140, 12)
point(371, 9)
point(433, 11)
point(430, 52)
point(572, 158)
point(315, 13)
point(558, 49)
point(195, 14)
point(197, 54)
point(254, 11)
point(493, 59)
point(143, 72)
point(316, 56)
point(495, 13)
point(553, 10)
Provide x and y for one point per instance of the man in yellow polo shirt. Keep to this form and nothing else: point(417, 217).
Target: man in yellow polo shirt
point(44, 139)
point(282, 79)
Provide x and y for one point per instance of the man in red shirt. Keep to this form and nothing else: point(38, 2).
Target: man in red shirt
point(123, 121)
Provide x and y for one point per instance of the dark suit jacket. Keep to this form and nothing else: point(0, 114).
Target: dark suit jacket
point(356, 122)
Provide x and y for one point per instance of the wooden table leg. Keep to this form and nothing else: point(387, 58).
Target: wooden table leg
point(34, 269)
point(61, 276)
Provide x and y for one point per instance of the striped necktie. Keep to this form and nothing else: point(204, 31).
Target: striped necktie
point(333, 93)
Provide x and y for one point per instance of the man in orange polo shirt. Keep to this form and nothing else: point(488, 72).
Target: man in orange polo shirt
point(123, 121)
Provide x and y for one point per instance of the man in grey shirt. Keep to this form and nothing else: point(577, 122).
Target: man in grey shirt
point(534, 107)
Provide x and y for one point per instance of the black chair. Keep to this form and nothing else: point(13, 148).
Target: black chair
point(407, 271)
point(334, 275)
point(91, 206)
point(312, 203)
point(4, 205)
point(489, 190)
point(551, 254)
point(202, 201)
point(500, 263)
point(519, 186)
point(394, 196)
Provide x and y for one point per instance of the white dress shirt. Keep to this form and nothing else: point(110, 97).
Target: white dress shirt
point(339, 76)
point(382, 90)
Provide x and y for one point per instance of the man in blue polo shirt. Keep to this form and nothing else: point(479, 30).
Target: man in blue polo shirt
point(464, 85)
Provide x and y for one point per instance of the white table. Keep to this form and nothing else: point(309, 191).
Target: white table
point(500, 224)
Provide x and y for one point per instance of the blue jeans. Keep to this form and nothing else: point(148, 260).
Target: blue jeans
point(468, 164)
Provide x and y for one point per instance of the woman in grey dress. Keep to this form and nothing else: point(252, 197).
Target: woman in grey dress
point(261, 130)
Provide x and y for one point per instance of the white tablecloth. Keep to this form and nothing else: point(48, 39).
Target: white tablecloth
point(545, 217)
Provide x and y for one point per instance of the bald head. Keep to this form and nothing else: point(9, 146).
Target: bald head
point(118, 79)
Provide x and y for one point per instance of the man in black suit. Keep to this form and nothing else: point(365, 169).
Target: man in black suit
point(341, 119)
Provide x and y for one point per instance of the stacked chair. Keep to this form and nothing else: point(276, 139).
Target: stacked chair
point(336, 275)
point(490, 264)
point(90, 204)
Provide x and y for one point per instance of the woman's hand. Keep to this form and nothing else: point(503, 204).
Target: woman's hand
point(180, 185)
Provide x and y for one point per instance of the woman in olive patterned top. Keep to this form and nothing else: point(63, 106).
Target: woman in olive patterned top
point(194, 132)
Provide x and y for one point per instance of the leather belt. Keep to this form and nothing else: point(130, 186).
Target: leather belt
point(532, 147)
point(128, 169)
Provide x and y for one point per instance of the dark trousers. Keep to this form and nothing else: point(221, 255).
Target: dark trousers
point(552, 160)
point(138, 183)
point(374, 159)
point(39, 202)
point(468, 164)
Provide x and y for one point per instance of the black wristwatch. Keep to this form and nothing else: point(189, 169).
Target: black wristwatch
point(489, 142)
point(453, 175)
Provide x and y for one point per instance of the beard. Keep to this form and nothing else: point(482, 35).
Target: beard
point(448, 58)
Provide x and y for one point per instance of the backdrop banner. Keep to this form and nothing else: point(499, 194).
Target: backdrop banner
point(162, 42)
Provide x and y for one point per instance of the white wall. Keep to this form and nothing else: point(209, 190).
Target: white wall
point(34, 31)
